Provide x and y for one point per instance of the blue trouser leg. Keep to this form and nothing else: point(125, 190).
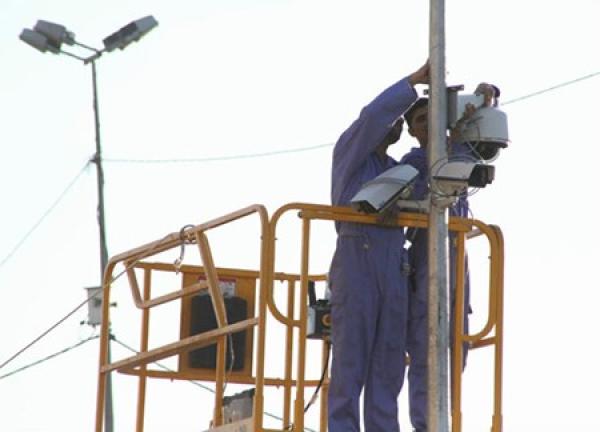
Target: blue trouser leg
point(386, 373)
point(353, 303)
point(367, 336)
point(417, 370)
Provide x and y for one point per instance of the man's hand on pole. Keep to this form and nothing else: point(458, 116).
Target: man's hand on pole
point(420, 76)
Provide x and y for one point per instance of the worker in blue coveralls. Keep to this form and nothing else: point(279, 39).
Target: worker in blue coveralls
point(368, 287)
point(417, 121)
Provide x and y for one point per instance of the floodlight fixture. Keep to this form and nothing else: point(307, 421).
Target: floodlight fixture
point(130, 33)
point(38, 41)
point(384, 190)
point(48, 36)
point(56, 34)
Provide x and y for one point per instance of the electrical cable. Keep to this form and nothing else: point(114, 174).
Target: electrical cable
point(231, 360)
point(79, 306)
point(49, 357)
point(212, 159)
point(256, 155)
point(165, 368)
point(315, 147)
point(44, 216)
point(52, 327)
point(325, 367)
point(272, 153)
point(549, 89)
point(219, 158)
point(472, 156)
point(316, 392)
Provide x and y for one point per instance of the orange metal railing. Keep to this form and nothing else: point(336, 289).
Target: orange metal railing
point(263, 280)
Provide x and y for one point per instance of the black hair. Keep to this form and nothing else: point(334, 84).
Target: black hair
point(408, 115)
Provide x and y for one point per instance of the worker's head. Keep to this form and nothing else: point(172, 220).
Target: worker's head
point(417, 120)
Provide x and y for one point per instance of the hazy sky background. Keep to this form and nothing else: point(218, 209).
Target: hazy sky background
point(227, 79)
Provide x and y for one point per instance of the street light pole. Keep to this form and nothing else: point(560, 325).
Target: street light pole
point(100, 174)
point(47, 36)
point(97, 159)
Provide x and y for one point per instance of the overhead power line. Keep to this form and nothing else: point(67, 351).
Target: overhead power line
point(220, 158)
point(75, 309)
point(49, 357)
point(52, 327)
point(44, 216)
point(253, 155)
point(549, 89)
point(165, 368)
point(212, 159)
point(316, 147)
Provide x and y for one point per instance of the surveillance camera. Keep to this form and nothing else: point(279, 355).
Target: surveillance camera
point(486, 130)
point(385, 189)
point(486, 150)
point(456, 176)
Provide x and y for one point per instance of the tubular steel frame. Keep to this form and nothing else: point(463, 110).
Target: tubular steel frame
point(293, 415)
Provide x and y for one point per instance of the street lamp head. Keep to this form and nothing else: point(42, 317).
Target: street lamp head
point(55, 33)
point(130, 33)
point(47, 36)
point(38, 41)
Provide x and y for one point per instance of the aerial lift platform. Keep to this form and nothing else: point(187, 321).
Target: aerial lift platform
point(256, 290)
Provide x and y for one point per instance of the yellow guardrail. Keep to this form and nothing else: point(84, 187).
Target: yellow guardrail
point(263, 281)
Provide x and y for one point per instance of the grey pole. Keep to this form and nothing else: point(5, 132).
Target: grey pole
point(108, 411)
point(100, 172)
point(438, 342)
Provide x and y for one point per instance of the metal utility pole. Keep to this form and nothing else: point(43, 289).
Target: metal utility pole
point(100, 173)
point(108, 411)
point(438, 343)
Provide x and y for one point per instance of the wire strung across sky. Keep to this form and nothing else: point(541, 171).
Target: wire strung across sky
point(49, 357)
point(48, 330)
point(549, 89)
point(248, 156)
point(316, 147)
point(124, 345)
point(44, 216)
point(213, 159)
point(220, 158)
point(165, 368)
point(71, 313)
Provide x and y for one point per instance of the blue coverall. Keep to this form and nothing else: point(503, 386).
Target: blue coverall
point(418, 288)
point(368, 287)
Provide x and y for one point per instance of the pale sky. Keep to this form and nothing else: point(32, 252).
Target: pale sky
point(226, 78)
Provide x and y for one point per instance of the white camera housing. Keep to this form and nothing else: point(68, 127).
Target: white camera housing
point(486, 130)
point(456, 176)
point(385, 189)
